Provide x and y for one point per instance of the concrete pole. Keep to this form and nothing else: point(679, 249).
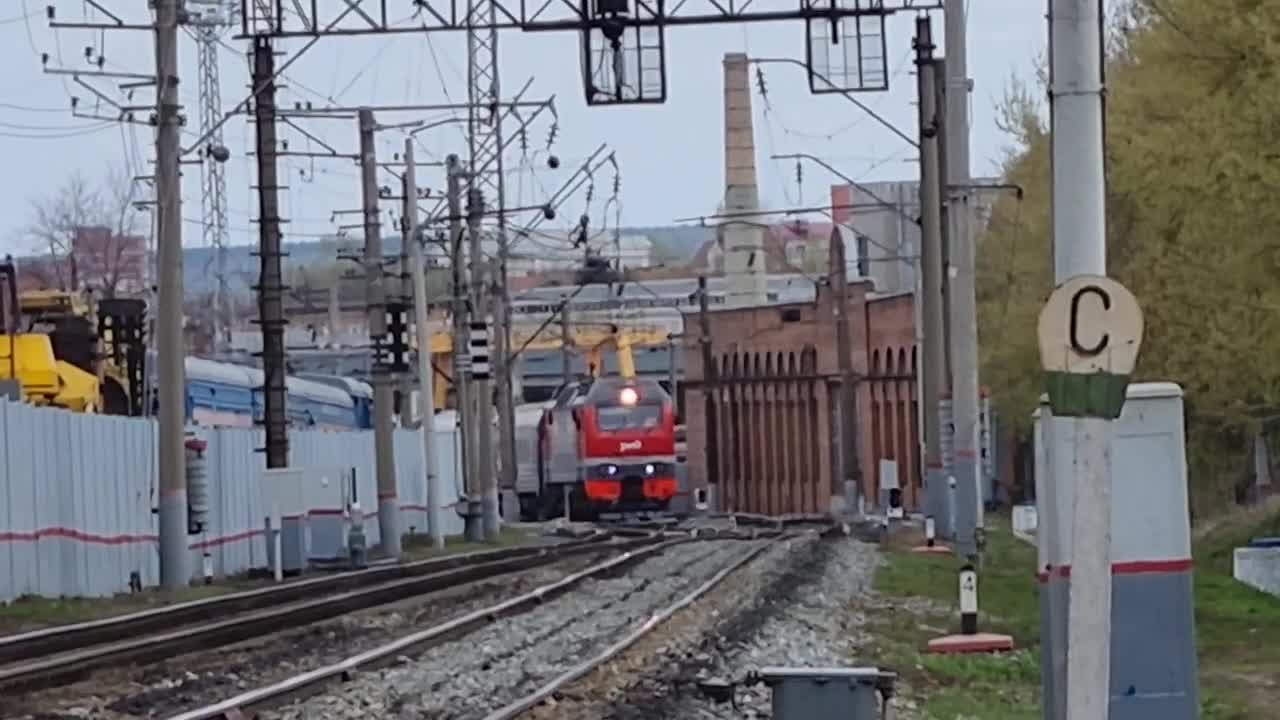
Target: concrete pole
point(383, 382)
point(170, 353)
point(566, 342)
point(505, 370)
point(940, 88)
point(933, 375)
point(964, 325)
point(271, 279)
point(501, 302)
point(1079, 248)
point(673, 375)
point(482, 395)
point(408, 203)
point(850, 463)
point(461, 333)
point(710, 386)
point(422, 326)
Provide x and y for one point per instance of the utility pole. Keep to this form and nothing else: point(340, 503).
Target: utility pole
point(566, 342)
point(271, 278)
point(673, 376)
point(933, 375)
point(169, 344)
point(967, 469)
point(1079, 248)
point(422, 326)
point(710, 384)
point(383, 382)
point(486, 502)
point(850, 465)
point(505, 369)
point(408, 206)
point(940, 104)
point(462, 388)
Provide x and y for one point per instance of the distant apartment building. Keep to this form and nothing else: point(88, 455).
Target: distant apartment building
point(885, 216)
point(794, 246)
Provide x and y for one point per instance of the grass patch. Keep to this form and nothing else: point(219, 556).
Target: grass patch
point(31, 613)
point(919, 603)
point(1238, 630)
point(418, 547)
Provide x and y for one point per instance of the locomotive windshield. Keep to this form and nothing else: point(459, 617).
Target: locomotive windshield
point(617, 418)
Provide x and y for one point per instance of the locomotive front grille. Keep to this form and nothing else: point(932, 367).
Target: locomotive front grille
point(632, 489)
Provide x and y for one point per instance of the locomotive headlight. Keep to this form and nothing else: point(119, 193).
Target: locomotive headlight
point(612, 469)
point(648, 469)
point(628, 396)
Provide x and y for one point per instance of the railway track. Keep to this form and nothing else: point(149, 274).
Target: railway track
point(57, 656)
point(673, 572)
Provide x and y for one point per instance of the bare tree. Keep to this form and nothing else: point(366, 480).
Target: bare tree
point(90, 232)
point(55, 220)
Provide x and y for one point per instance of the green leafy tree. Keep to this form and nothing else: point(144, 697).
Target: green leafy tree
point(1193, 168)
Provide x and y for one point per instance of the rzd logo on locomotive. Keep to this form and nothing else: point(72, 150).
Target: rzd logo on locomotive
point(631, 445)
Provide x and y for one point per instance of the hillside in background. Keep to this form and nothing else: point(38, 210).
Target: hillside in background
point(672, 246)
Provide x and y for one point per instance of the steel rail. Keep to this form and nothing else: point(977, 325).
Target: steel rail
point(44, 642)
point(535, 698)
point(67, 667)
point(313, 682)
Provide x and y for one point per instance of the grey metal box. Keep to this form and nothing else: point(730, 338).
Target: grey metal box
point(826, 693)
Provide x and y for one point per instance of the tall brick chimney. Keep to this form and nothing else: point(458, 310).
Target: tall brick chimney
point(743, 237)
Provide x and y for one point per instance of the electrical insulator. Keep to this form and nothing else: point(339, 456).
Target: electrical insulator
point(197, 486)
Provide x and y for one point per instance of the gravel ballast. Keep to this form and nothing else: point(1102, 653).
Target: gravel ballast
point(197, 679)
point(802, 608)
point(512, 657)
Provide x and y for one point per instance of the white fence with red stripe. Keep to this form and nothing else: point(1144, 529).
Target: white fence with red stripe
point(77, 493)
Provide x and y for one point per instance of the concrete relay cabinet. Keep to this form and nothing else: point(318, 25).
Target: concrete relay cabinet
point(1153, 658)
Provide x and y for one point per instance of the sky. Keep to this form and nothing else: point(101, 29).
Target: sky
point(670, 156)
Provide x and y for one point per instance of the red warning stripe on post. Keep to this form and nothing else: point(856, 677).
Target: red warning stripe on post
point(1134, 567)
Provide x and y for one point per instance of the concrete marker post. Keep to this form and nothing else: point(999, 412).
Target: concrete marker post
point(931, 545)
point(968, 600)
point(969, 640)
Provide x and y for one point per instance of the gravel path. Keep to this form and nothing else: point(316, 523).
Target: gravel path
point(468, 678)
point(194, 680)
point(800, 608)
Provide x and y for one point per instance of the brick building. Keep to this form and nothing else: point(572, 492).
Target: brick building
point(776, 401)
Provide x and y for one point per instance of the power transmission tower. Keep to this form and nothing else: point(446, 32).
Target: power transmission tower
point(484, 125)
point(209, 20)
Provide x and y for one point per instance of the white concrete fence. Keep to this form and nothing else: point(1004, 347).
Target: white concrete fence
point(77, 494)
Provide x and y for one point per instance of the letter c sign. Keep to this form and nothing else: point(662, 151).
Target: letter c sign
point(1074, 337)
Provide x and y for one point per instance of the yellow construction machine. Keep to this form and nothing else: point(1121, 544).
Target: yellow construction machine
point(65, 350)
point(594, 336)
point(621, 343)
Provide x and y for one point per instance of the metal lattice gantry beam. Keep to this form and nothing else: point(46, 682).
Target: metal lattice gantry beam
point(307, 18)
point(209, 20)
point(623, 42)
